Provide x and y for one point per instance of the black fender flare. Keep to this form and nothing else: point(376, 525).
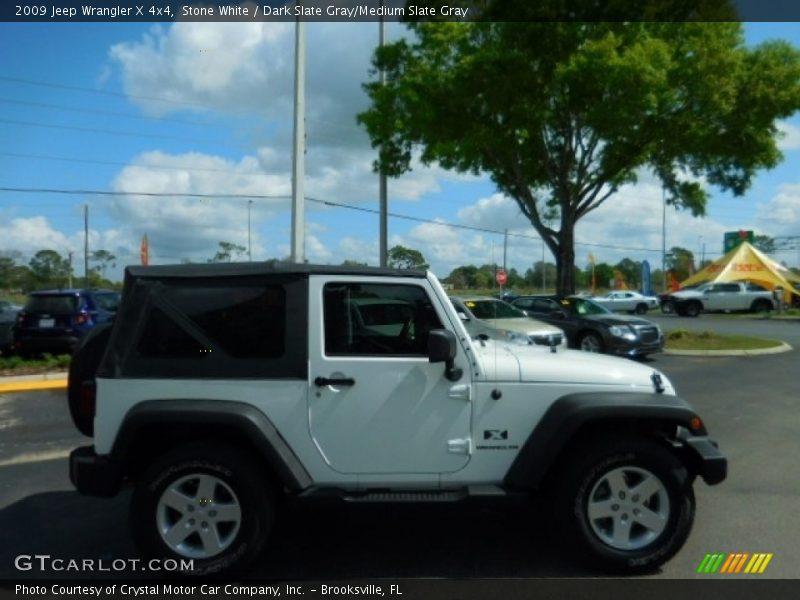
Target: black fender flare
point(249, 424)
point(559, 424)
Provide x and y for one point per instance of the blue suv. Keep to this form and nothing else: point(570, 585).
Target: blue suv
point(55, 321)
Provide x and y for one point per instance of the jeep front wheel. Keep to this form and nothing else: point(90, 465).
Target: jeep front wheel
point(205, 504)
point(627, 506)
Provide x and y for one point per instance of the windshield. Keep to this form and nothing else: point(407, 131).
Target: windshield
point(493, 309)
point(583, 307)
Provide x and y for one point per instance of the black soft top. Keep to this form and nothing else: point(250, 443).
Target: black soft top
point(201, 270)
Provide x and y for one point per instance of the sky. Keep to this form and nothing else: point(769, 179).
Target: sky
point(206, 109)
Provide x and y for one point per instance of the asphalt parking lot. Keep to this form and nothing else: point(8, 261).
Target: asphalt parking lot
point(751, 405)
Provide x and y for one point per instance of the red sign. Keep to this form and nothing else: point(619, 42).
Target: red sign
point(501, 277)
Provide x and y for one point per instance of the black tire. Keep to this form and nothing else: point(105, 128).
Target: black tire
point(668, 307)
point(693, 309)
point(238, 483)
point(585, 479)
point(591, 342)
point(761, 305)
point(641, 309)
point(83, 368)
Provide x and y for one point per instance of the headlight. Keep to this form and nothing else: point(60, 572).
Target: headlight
point(622, 332)
point(517, 338)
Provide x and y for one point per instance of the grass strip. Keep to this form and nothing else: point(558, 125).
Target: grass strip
point(682, 339)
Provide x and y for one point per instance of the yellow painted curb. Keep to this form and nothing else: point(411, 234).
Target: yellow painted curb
point(30, 386)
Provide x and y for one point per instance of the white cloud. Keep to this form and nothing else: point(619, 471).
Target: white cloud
point(497, 212)
point(30, 235)
point(781, 214)
point(204, 64)
point(790, 136)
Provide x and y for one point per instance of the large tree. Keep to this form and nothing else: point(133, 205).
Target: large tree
point(400, 257)
point(561, 115)
point(50, 269)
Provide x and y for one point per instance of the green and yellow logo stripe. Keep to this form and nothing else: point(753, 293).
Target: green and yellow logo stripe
point(735, 563)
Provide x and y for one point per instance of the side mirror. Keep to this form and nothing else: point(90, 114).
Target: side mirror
point(463, 316)
point(558, 314)
point(442, 348)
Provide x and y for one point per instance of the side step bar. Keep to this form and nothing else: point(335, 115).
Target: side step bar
point(407, 496)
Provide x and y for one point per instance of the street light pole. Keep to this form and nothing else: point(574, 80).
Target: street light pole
point(382, 184)
point(699, 252)
point(298, 147)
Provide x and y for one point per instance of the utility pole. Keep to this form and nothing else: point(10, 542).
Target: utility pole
point(69, 254)
point(505, 253)
point(298, 154)
point(382, 186)
point(544, 271)
point(86, 244)
point(664, 238)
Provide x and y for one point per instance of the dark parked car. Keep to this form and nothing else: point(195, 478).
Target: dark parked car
point(55, 321)
point(594, 328)
point(8, 316)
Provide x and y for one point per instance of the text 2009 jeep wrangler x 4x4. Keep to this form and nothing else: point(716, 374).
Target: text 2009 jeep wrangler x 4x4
point(220, 387)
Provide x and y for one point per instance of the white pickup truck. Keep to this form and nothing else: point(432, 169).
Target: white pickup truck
point(734, 295)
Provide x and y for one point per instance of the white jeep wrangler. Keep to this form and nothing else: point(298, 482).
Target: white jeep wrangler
point(220, 387)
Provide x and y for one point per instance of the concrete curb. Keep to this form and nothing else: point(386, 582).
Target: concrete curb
point(30, 383)
point(784, 347)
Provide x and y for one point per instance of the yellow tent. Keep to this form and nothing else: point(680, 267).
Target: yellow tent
point(746, 263)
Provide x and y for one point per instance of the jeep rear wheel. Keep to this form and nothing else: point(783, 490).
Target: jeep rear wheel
point(627, 505)
point(205, 503)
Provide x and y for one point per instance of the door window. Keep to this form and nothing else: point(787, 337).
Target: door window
point(377, 319)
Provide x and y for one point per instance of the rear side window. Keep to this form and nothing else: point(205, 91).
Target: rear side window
point(754, 287)
point(58, 304)
point(242, 322)
point(204, 328)
point(162, 338)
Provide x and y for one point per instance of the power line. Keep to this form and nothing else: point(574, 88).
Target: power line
point(113, 132)
point(310, 199)
point(125, 164)
point(107, 113)
point(76, 88)
point(149, 194)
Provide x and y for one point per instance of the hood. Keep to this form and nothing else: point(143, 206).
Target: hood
point(524, 325)
point(617, 319)
point(537, 364)
point(687, 294)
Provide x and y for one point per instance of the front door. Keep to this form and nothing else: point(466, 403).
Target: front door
point(376, 405)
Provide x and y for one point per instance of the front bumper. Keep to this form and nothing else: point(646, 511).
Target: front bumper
point(94, 475)
point(623, 347)
point(704, 456)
